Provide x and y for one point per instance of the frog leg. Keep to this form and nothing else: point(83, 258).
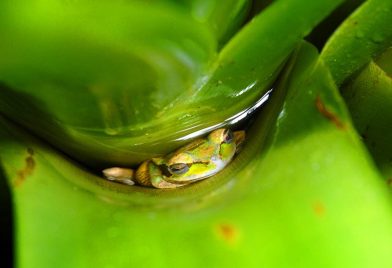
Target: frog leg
point(149, 174)
point(118, 174)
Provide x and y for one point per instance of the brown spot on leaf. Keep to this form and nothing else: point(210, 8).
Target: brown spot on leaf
point(228, 232)
point(389, 181)
point(328, 114)
point(319, 208)
point(27, 170)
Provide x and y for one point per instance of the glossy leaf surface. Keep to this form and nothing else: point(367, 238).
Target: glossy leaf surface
point(363, 36)
point(119, 83)
point(369, 99)
point(302, 193)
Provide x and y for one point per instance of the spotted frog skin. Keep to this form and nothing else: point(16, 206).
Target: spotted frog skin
point(196, 161)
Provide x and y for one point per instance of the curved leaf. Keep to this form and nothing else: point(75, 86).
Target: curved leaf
point(363, 36)
point(223, 16)
point(385, 61)
point(369, 99)
point(309, 198)
point(108, 92)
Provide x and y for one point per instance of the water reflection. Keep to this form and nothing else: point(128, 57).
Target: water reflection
point(231, 120)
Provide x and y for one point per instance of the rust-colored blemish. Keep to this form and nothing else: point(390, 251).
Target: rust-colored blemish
point(27, 170)
point(228, 232)
point(319, 208)
point(389, 181)
point(328, 114)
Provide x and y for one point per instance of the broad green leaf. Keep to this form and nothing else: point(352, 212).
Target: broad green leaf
point(369, 99)
point(306, 196)
point(322, 32)
point(224, 17)
point(385, 61)
point(119, 83)
point(362, 36)
point(96, 78)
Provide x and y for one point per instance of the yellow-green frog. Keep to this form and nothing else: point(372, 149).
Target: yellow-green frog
point(196, 161)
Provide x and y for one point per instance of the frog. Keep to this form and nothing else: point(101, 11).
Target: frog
point(198, 160)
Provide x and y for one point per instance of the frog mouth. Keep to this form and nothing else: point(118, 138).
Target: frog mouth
point(166, 171)
point(169, 177)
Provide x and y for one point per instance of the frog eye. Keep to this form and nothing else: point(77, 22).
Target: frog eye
point(179, 168)
point(228, 136)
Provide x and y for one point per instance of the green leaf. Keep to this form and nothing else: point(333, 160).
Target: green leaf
point(321, 33)
point(108, 92)
point(363, 36)
point(369, 99)
point(385, 61)
point(305, 196)
point(224, 17)
point(95, 79)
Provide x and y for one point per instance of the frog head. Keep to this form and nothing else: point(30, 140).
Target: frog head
point(201, 158)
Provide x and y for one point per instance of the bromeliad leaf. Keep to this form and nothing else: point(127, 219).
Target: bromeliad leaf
point(133, 80)
point(299, 179)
